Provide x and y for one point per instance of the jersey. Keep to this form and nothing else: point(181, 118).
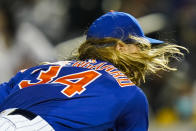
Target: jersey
point(74, 95)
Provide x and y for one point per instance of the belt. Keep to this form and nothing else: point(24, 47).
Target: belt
point(27, 114)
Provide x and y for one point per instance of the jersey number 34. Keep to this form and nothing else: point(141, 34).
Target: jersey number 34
point(74, 83)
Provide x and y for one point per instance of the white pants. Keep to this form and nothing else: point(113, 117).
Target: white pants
point(19, 122)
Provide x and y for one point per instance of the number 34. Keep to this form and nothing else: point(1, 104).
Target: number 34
point(81, 80)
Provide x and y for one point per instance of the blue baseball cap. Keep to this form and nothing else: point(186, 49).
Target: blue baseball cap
point(118, 25)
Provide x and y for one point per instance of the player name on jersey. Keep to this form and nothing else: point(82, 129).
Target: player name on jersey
point(122, 79)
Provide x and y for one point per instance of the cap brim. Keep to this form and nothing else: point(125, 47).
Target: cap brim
point(154, 41)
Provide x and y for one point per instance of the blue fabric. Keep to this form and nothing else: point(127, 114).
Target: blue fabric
point(4, 89)
point(117, 25)
point(103, 105)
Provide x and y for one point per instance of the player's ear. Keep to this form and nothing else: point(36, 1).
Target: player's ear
point(121, 47)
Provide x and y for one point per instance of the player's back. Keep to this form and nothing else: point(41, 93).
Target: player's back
point(86, 95)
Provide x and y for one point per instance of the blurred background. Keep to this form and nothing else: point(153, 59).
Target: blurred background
point(32, 31)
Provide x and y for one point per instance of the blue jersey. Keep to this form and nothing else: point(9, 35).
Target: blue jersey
point(78, 95)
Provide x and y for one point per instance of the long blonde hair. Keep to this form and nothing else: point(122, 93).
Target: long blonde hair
point(149, 60)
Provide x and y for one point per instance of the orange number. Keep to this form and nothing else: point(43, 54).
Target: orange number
point(44, 77)
point(82, 80)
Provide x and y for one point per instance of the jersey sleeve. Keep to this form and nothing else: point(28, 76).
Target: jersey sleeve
point(134, 117)
point(6, 87)
point(4, 91)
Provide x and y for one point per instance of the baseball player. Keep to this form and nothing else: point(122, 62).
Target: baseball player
point(97, 90)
